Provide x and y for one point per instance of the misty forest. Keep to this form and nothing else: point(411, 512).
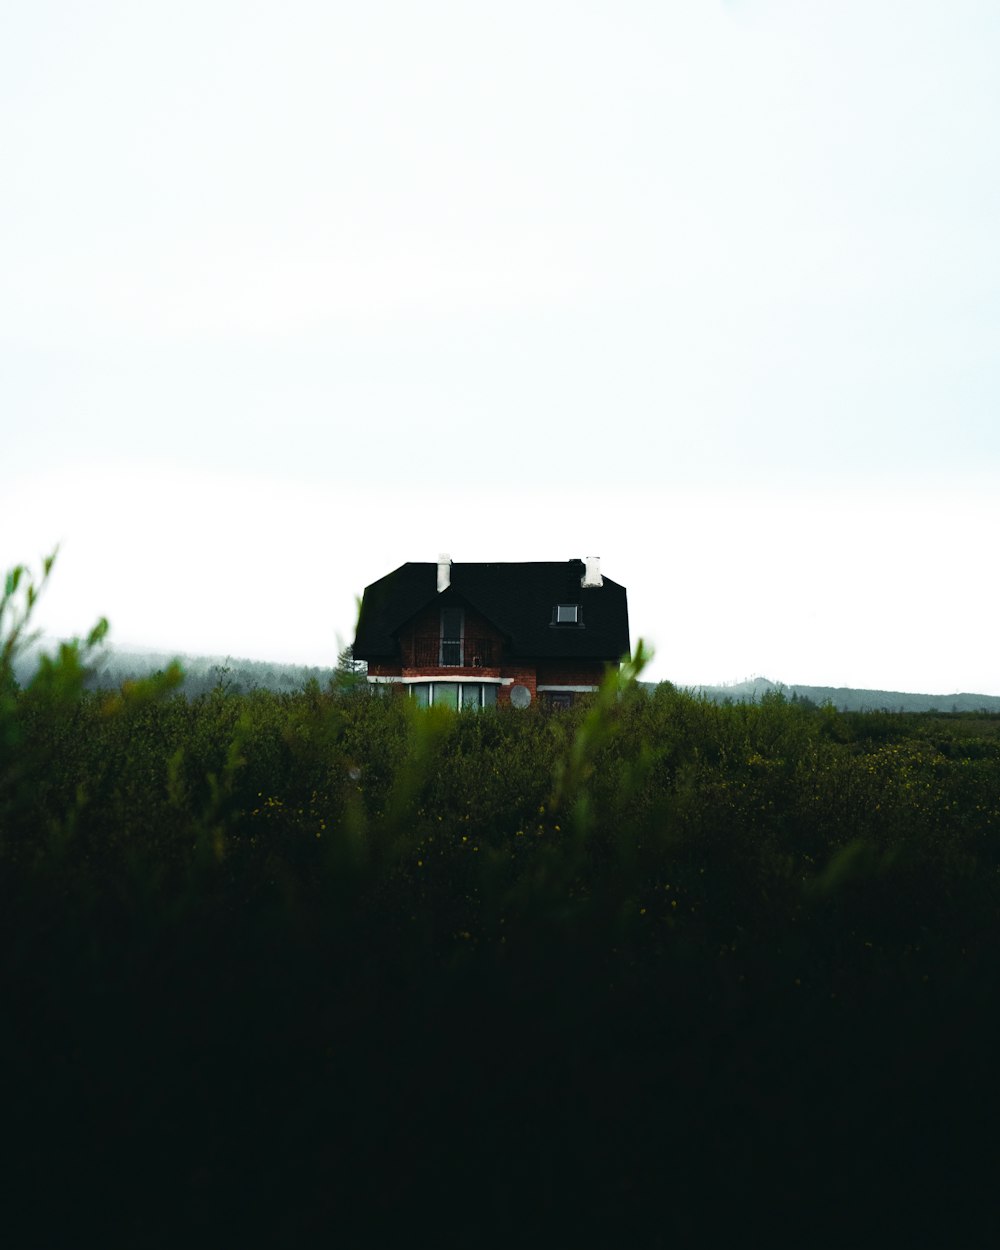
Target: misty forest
point(280, 960)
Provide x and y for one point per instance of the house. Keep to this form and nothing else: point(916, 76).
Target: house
point(482, 634)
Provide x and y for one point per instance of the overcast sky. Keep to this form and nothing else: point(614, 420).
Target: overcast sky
point(291, 293)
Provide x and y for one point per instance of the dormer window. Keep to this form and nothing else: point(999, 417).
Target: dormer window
point(567, 614)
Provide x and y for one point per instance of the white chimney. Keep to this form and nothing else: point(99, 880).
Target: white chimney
point(592, 577)
point(444, 572)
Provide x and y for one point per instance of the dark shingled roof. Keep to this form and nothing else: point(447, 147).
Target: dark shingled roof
point(517, 598)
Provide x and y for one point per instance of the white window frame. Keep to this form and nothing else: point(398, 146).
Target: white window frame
point(568, 689)
point(460, 682)
point(477, 680)
point(573, 607)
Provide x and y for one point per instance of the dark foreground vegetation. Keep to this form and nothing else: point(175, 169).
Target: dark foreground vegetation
point(308, 968)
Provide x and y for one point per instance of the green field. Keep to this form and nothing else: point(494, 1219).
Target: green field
point(281, 967)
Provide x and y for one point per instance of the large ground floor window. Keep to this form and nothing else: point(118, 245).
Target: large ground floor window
point(454, 694)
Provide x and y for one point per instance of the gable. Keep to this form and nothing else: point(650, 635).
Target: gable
point(428, 620)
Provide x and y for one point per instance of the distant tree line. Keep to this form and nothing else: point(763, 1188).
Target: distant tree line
point(110, 669)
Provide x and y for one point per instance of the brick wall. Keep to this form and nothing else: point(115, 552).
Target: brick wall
point(384, 668)
point(522, 675)
point(571, 672)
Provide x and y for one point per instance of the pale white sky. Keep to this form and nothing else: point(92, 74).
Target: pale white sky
point(292, 293)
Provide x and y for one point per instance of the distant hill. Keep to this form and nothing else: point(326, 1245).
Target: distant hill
point(846, 699)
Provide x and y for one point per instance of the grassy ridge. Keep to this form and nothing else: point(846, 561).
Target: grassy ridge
point(287, 966)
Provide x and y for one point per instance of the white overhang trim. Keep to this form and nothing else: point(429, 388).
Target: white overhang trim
point(571, 689)
point(466, 679)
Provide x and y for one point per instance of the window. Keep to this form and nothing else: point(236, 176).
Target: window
point(445, 694)
point(567, 614)
point(451, 636)
point(454, 694)
point(476, 695)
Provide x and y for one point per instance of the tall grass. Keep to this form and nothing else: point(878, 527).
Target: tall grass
point(279, 966)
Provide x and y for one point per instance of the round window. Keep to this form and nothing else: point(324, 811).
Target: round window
point(520, 696)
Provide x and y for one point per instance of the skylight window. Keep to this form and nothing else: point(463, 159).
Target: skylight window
point(567, 614)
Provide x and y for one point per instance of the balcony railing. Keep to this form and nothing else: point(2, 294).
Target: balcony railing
point(432, 651)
